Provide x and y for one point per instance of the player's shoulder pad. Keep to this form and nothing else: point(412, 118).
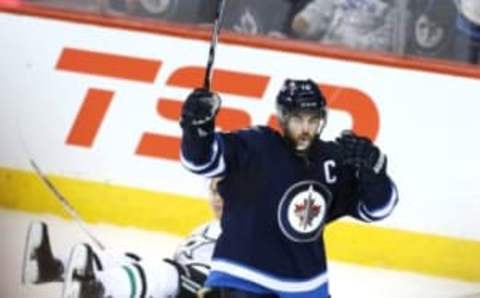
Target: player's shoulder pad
point(254, 133)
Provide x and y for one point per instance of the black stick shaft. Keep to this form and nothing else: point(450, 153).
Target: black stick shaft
point(65, 203)
point(217, 25)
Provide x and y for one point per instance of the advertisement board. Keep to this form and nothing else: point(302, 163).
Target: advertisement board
point(97, 108)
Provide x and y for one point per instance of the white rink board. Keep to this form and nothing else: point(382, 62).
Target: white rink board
point(426, 128)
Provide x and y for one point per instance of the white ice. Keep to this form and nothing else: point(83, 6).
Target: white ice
point(346, 280)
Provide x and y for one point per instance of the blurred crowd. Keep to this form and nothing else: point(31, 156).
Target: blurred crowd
point(445, 29)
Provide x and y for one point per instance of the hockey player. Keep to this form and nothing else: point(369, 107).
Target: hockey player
point(280, 190)
point(90, 273)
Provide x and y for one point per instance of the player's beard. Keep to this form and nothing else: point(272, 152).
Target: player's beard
point(302, 142)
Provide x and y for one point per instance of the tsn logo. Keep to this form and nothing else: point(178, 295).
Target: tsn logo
point(91, 115)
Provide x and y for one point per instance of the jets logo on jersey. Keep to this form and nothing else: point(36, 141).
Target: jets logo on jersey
point(302, 210)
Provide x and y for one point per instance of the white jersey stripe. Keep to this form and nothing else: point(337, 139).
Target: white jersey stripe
point(380, 212)
point(218, 171)
point(267, 281)
point(198, 168)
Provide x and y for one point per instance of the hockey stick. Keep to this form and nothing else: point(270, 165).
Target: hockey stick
point(58, 195)
point(217, 25)
point(65, 203)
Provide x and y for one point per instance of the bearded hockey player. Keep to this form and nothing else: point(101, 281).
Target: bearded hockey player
point(280, 189)
point(89, 273)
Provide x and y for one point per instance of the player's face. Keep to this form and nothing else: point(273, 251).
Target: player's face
point(302, 128)
point(215, 199)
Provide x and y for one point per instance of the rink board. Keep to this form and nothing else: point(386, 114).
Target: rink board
point(97, 107)
point(350, 242)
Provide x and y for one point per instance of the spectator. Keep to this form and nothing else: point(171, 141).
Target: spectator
point(256, 17)
point(358, 24)
point(432, 28)
point(184, 11)
point(467, 39)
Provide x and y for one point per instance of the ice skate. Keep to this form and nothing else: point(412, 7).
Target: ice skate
point(80, 279)
point(39, 264)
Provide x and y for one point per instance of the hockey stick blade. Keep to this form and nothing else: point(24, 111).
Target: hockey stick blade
point(217, 25)
point(65, 203)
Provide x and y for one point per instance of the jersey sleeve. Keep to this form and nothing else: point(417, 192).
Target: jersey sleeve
point(203, 155)
point(366, 198)
point(218, 154)
point(376, 198)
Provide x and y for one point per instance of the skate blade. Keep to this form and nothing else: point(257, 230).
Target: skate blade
point(30, 269)
point(77, 264)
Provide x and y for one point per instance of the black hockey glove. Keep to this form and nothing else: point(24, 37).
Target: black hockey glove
point(362, 153)
point(199, 111)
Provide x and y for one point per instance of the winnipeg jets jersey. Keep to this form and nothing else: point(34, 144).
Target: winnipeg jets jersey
point(276, 204)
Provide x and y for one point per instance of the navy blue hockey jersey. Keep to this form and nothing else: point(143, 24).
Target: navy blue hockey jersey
point(276, 204)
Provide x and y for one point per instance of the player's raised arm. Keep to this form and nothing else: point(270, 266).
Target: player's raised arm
point(376, 194)
point(201, 151)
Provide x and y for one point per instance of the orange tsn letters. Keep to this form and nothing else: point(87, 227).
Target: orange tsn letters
point(361, 108)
